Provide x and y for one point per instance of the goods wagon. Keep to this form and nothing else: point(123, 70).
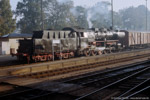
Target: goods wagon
point(135, 39)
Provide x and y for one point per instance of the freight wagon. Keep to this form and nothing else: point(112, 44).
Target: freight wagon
point(135, 39)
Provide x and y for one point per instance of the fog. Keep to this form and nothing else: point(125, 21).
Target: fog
point(118, 4)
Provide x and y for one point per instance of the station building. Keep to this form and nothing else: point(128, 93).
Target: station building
point(9, 43)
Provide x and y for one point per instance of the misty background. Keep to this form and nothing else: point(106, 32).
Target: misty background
point(58, 14)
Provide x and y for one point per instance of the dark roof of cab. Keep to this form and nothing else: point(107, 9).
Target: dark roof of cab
point(16, 35)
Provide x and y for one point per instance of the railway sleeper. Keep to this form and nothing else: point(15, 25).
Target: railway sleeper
point(85, 66)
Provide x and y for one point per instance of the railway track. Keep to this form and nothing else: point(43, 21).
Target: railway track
point(135, 90)
point(84, 86)
point(86, 83)
point(116, 88)
point(49, 73)
point(106, 75)
point(8, 66)
point(48, 67)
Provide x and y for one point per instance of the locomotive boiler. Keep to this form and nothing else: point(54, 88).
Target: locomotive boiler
point(67, 43)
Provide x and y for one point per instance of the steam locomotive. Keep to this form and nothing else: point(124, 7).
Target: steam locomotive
point(67, 43)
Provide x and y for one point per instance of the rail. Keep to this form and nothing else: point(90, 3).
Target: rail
point(110, 85)
point(44, 93)
point(28, 69)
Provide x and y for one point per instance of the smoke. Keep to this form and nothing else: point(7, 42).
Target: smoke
point(74, 12)
point(63, 1)
point(101, 7)
point(89, 17)
point(100, 11)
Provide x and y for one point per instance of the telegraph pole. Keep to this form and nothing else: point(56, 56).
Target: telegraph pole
point(42, 14)
point(146, 15)
point(112, 14)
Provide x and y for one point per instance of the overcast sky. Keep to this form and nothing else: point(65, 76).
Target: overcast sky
point(118, 4)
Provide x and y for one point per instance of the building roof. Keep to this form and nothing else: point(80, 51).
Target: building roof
point(16, 35)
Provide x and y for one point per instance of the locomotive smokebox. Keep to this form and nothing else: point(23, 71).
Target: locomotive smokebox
point(119, 34)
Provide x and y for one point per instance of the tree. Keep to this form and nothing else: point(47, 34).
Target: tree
point(7, 23)
point(80, 14)
point(29, 12)
point(100, 15)
point(1, 22)
point(134, 18)
point(118, 23)
point(58, 15)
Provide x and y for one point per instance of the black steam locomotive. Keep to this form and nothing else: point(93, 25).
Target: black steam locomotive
point(70, 42)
